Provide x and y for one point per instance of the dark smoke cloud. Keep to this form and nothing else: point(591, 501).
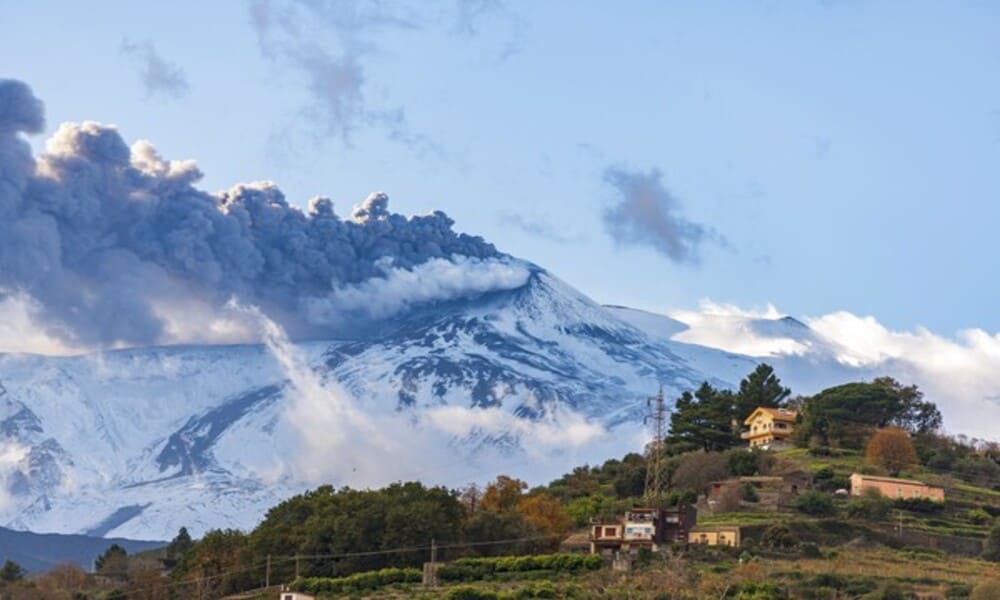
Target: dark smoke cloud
point(107, 239)
point(158, 76)
point(647, 213)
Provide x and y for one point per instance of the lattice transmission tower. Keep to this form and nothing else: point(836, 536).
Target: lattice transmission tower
point(656, 477)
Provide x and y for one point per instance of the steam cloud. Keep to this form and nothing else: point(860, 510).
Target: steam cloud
point(104, 245)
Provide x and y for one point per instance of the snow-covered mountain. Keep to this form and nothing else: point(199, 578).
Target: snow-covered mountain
point(139, 442)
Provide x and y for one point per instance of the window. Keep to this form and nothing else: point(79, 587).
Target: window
point(609, 532)
point(288, 597)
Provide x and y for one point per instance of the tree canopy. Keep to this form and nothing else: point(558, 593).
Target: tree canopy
point(845, 415)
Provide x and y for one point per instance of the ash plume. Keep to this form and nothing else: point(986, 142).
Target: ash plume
point(113, 245)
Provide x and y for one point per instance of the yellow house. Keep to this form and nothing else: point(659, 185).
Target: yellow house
point(769, 426)
point(722, 535)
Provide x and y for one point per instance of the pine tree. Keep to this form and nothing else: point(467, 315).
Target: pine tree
point(11, 572)
point(760, 388)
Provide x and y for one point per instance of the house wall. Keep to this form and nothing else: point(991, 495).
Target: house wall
point(895, 489)
point(719, 537)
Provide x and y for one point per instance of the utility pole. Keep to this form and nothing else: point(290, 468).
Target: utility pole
point(267, 573)
point(297, 571)
point(434, 550)
point(656, 480)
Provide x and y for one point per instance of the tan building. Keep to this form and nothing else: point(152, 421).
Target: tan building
point(769, 427)
point(643, 528)
point(895, 488)
point(720, 535)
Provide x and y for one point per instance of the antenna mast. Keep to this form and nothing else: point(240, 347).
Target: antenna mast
point(656, 480)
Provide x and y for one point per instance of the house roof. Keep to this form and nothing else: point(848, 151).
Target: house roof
point(716, 528)
point(779, 414)
point(890, 479)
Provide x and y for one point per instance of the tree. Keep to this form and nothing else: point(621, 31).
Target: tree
point(545, 514)
point(503, 494)
point(760, 388)
point(178, 548)
point(845, 415)
point(113, 563)
point(891, 449)
point(11, 572)
point(991, 545)
point(697, 470)
point(703, 420)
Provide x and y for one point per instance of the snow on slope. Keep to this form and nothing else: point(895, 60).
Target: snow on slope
point(139, 442)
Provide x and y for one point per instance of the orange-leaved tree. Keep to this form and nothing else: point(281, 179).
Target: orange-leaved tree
point(503, 494)
point(891, 449)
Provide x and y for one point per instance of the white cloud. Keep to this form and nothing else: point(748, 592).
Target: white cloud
point(961, 374)
point(399, 289)
point(20, 329)
point(731, 328)
point(12, 457)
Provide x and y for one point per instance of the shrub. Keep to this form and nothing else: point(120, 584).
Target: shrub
point(743, 462)
point(978, 516)
point(810, 550)
point(467, 592)
point(814, 503)
point(871, 506)
point(921, 505)
point(778, 536)
point(760, 591)
point(366, 580)
point(750, 493)
point(823, 473)
point(889, 591)
point(474, 569)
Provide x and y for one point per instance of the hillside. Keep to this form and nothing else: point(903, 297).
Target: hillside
point(40, 552)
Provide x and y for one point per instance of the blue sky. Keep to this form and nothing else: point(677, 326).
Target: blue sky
point(833, 155)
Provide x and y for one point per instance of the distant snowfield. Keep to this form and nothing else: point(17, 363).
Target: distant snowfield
point(529, 382)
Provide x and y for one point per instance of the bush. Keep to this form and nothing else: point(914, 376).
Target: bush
point(810, 550)
point(367, 580)
point(871, 506)
point(814, 503)
point(979, 516)
point(778, 536)
point(889, 591)
point(921, 505)
point(467, 592)
point(750, 493)
point(474, 569)
point(760, 591)
point(743, 462)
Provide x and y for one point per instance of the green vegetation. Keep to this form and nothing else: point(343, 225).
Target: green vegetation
point(358, 582)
